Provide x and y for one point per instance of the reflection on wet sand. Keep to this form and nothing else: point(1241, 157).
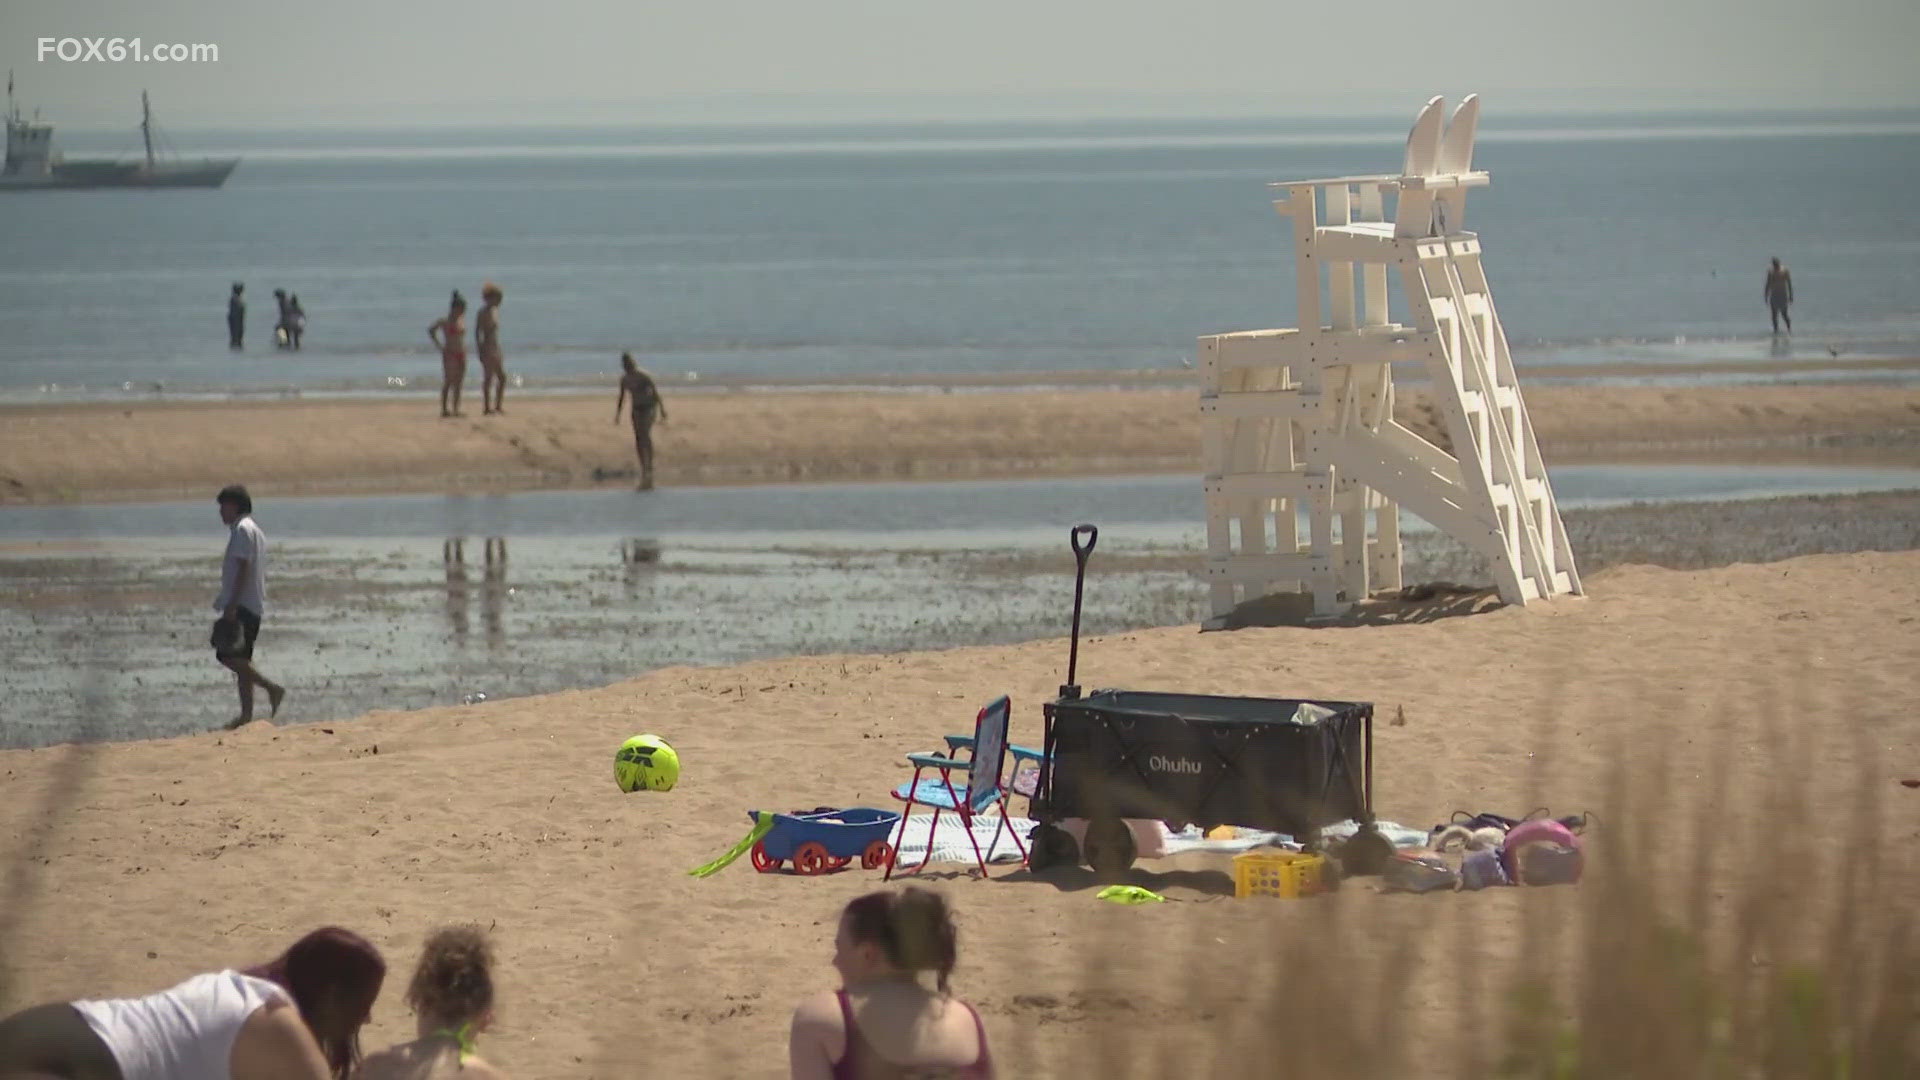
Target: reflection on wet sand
point(493, 591)
point(453, 555)
point(637, 556)
point(493, 588)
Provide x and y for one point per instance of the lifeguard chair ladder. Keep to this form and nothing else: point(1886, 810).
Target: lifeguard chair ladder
point(1300, 421)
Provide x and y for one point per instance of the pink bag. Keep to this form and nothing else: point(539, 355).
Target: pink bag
point(1542, 851)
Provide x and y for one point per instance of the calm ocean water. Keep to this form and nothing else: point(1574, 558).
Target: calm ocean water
point(840, 252)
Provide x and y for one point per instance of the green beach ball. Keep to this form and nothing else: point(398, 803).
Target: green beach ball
point(646, 763)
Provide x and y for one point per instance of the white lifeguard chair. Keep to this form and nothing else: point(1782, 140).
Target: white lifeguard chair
point(1301, 420)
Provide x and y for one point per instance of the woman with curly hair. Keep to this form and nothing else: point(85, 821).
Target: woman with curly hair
point(452, 999)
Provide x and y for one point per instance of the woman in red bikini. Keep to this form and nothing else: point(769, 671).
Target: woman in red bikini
point(886, 1023)
point(449, 335)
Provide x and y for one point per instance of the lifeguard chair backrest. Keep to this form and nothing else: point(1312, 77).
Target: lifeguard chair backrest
point(989, 747)
point(1414, 215)
point(1456, 146)
point(1456, 158)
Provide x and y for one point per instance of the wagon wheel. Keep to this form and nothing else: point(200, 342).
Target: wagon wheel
point(876, 855)
point(762, 861)
point(839, 861)
point(812, 858)
point(1109, 846)
point(1366, 852)
point(1051, 845)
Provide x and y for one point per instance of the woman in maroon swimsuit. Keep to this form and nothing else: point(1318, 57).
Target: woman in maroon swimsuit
point(449, 335)
point(886, 1023)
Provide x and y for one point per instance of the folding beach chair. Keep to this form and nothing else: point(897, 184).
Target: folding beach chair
point(980, 790)
point(1025, 777)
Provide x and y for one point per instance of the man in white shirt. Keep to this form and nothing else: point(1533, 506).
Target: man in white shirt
point(242, 600)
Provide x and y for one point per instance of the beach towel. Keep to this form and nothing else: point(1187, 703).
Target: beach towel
point(950, 843)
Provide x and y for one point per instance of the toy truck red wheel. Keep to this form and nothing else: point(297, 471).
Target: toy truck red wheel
point(876, 855)
point(762, 861)
point(812, 858)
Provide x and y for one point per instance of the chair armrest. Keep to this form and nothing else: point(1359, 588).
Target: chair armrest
point(935, 761)
point(955, 743)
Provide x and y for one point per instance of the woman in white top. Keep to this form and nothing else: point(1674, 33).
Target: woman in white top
point(295, 1018)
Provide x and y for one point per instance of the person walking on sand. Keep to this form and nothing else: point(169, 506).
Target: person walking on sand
point(242, 600)
point(1779, 293)
point(297, 1017)
point(647, 406)
point(452, 999)
point(486, 341)
point(885, 1023)
point(449, 335)
point(236, 316)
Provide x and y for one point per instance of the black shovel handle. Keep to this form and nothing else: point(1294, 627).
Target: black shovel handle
point(1081, 539)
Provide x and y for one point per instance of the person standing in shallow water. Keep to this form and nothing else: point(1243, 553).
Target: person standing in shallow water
point(1779, 293)
point(647, 407)
point(282, 333)
point(296, 321)
point(236, 315)
point(486, 341)
point(449, 335)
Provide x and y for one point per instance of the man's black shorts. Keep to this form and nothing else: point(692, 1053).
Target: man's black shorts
point(235, 638)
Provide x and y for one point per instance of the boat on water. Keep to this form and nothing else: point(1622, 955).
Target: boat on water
point(32, 164)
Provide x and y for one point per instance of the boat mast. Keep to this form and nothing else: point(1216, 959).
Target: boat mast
point(146, 128)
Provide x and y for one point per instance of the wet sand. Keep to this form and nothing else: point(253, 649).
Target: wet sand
point(108, 640)
point(98, 451)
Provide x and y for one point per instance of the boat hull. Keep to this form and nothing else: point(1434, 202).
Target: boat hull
point(210, 173)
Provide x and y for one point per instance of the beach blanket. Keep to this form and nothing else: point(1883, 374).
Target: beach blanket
point(950, 842)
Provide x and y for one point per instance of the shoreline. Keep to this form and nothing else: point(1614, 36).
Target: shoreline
point(112, 452)
point(1626, 372)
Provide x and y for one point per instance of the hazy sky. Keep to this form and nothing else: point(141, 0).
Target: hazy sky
point(781, 59)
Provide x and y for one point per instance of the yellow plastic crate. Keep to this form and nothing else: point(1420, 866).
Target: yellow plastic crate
point(1285, 874)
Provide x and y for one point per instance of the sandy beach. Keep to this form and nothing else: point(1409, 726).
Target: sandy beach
point(97, 451)
point(1701, 715)
point(1679, 702)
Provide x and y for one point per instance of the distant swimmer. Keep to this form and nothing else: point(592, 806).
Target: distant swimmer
point(647, 407)
point(236, 315)
point(449, 335)
point(1779, 293)
point(486, 341)
point(281, 336)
